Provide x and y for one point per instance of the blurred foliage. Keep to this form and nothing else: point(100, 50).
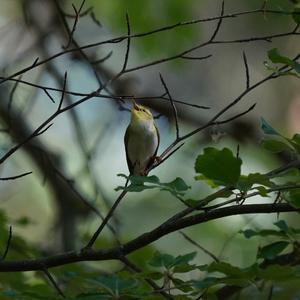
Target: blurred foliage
point(179, 273)
point(216, 168)
point(146, 16)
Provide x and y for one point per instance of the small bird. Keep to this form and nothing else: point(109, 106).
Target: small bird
point(141, 140)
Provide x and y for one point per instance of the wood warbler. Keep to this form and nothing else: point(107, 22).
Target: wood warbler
point(141, 140)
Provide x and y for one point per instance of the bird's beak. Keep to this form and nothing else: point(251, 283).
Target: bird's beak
point(135, 106)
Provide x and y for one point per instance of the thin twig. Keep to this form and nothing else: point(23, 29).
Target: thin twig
point(106, 219)
point(63, 92)
point(95, 20)
point(172, 104)
point(195, 57)
point(136, 269)
point(121, 38)
point(48, 94)
point(11, 95)
point(247, 70)
point(103, 59)
point(219, 23)
point(270, 295)
point(199, 246)
point(84, 13)
point(16, 176)
point(235, 116)
point(77, 16)
point(128, 43)
point(7, 243)
point(52, 280)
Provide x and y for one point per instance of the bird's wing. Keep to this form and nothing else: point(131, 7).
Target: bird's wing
point(129, 164)
point(151, 161)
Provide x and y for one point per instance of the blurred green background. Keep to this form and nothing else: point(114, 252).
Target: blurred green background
point(28, 202)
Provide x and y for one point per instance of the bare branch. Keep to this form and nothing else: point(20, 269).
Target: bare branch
point(43, 130)
point(84, 13)
point(199, 246)
point(195, 57)
point(11, 95)
point(52, 280)
point(48, 94)
point(143, 240)
point(172, 104)
point(136, 269)
point(103, 59)
point(121, 38)
point(105, 221)
point(219, 23)
point(128, 43)
point(236, 116)
point(7, 243)
point(16, 176)
point(77, 16)
point(63, 92)
point(95, 20)
point(247, 70)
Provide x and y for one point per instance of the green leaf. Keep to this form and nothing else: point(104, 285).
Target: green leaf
point(184, 259)
point(249, 233)
point(281, 224)
point(177, 187)
point(272, 250)
point(161, 260)
point(295, 142)
point(181, 285)
point(221, 166)
point(296, 15)
point(293, 197)
point(184, 268)
point(296, 138)
point(139, 180)
point(177, 184)
point(262, 191)
point(115, 282)
point(205, 283)
point(277, 273)
point(275, 57)
point(246, 182)
point(267, 128)
point(230, 270)
point(24, 221)
point(168, 261)
point(274, 146)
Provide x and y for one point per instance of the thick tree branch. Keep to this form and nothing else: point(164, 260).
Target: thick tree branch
point(142, 240)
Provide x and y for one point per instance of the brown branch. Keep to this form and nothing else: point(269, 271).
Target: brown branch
point(143, 240)
point(122, 38)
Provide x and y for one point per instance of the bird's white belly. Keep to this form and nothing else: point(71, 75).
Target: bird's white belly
point(142, 145)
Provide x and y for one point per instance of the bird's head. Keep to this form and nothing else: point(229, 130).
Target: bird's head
point(140, 113)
